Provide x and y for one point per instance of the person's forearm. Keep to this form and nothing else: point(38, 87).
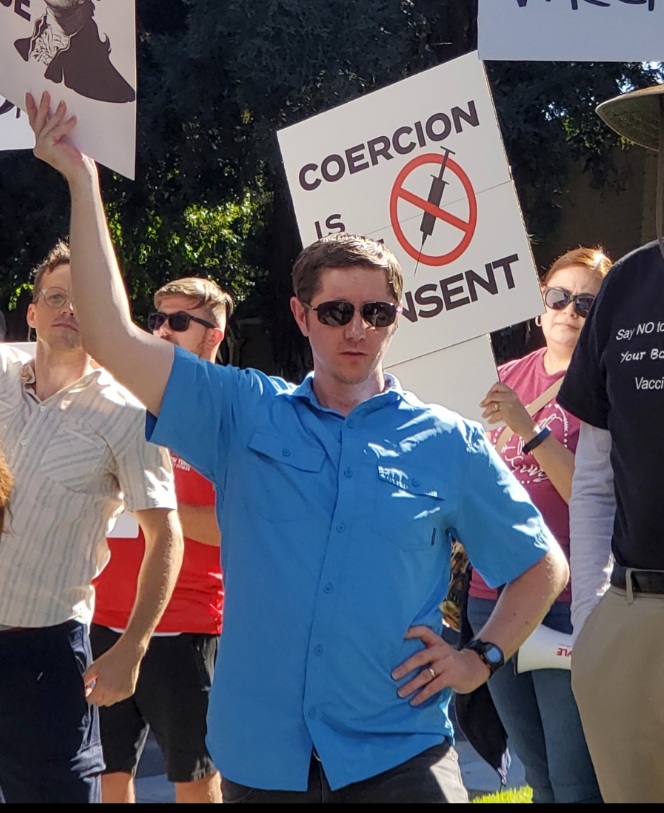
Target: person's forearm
point(164, 547)
point(524, 602)
point(102, 305)
point(591, 511)
point(199, 522)
point(557, 462)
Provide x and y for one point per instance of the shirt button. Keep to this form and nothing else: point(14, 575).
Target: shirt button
point(42, 408)
point(416, 483)
point(318, 650)
point(329, 588)
point(350, 423)
point(313, 714)
point(286, 453)
point(341, 527)
point(348, 472)
point(23, 442)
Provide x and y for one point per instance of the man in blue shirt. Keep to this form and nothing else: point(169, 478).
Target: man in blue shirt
point(337, 500)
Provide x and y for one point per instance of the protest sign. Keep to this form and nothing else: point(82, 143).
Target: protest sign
point(458, 377)
point(571, 30)
point(15, 132)
point(421, 165)
point(83, 53)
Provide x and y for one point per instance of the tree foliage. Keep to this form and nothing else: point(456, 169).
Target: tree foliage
point(218, 79)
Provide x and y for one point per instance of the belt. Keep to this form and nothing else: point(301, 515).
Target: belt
point(643, 581)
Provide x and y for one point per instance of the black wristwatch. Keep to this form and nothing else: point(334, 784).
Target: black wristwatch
point(491, 654)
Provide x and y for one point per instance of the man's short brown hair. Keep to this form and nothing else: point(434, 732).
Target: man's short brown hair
point(58, 255)
point(343, 251)
point(205, 293)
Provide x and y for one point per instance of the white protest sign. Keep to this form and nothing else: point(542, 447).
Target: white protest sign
point(458, 377)
point(15, 132)
point(421, 165)
point(83, 53)
point(571, 30)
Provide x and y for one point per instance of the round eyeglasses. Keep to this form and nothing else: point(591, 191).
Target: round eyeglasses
point(56, 297)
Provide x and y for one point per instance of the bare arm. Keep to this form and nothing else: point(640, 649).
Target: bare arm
point(555, 460)
point(591, 513)
point(138, 360)
point(521, 607)
point(199, 522)
point(115, 673)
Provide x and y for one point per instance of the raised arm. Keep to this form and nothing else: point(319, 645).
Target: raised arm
point(137, 359)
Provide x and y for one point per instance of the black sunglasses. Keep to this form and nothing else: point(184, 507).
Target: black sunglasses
point(559, 298)
point(338, 313)
point(179, 322)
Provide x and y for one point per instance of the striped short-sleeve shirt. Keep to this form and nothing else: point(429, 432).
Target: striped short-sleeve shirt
point(77, 458)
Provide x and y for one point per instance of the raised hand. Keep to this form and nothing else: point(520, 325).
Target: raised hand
point(52, 130)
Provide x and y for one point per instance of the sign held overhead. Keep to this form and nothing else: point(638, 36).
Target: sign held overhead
point(83, 53)
point(421, 165)
point(571, 30)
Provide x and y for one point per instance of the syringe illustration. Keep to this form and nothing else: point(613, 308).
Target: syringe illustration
point(435, 196)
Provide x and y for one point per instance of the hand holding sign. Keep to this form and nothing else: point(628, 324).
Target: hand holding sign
point(51, 131)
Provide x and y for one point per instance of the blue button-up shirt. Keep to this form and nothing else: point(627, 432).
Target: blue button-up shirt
point(335, 540)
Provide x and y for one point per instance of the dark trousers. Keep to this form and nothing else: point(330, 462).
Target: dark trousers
point(50, 750)
point(431, 777)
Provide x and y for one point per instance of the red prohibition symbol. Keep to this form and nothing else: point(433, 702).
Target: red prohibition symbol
point(466, 228)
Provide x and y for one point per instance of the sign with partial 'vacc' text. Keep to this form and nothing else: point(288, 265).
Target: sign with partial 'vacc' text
point(15, 132)
point(83, 53)
point(421, 166)
point(571, 30)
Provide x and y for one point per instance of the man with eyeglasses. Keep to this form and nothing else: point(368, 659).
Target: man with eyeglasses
point(75, 445)
point(337, 500)
point(171, 696)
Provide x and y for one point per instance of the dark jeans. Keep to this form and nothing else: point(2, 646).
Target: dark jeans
point(432, 776)
point(50, 749)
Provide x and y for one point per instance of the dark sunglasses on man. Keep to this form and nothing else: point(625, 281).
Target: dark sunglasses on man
point(338, 313)
point(179, 322)
point(559, 298)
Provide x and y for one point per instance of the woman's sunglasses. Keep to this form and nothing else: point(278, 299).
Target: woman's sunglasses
point(179, 322)
point(338, 313)
point(559, 298)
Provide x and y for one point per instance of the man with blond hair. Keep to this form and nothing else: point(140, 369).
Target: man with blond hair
point(74, 440)
point(171, 696)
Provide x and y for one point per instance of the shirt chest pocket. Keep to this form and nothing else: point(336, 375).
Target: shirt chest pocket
point(74, 459)
point(409, 508)
point(284, 475)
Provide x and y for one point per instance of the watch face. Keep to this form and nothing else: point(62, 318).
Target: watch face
point(493, 654)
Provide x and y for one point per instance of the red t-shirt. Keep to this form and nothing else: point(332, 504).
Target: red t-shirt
point(197, 601)
point(528, 378)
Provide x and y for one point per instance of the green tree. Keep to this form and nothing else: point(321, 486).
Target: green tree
point(218, 79)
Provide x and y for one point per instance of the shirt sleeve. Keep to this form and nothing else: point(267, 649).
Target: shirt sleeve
point(206, 408)
point(583, 391)
point(145, 472)
point(502, 531)
point(591, 511)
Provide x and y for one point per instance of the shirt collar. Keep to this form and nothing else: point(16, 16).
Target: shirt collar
point(393, 392)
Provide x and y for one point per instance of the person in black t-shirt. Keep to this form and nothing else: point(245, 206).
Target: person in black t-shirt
point(615, 386)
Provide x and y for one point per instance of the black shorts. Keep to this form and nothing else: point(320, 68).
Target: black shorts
point(171, 698)
point(50, 750)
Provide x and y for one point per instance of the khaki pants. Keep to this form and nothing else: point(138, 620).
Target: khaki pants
point(618, 683)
